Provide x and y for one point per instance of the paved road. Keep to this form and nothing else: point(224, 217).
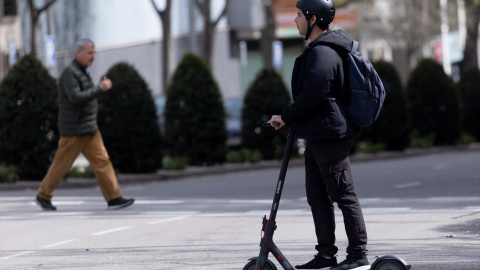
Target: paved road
point(426, 209)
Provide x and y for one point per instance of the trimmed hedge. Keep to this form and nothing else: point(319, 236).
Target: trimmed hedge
point(28, 118)
point(391, 127)
point(469, 86)
point(433, 103)
point(266, 96)
point(194, 115)
point(128, 122)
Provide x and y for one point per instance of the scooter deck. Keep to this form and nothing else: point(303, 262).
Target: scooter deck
point(364, 267)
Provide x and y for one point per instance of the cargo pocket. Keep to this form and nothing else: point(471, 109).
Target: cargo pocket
point(335, 177)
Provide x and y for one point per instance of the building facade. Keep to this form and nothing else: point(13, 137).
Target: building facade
point(130, 31)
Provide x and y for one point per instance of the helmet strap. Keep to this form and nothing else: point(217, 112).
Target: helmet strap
point(310, 27)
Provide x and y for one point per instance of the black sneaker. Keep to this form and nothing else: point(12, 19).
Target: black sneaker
point(353, 263)
point(318, 262)
point(45, 204)
point(119, 202)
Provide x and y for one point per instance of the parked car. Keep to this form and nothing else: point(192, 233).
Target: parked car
point(233, 108)
point(160, 104)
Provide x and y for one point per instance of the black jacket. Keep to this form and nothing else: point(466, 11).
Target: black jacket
point(318, 90)
point(77, 100)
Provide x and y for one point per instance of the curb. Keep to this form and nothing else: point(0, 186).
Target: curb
point(162, 175)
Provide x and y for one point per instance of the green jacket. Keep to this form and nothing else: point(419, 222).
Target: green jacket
point(77, 100)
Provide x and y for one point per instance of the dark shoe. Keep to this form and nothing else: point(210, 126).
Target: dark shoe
point(119, 203)
point(353, 263)
point(319, 262)
point(45, 204)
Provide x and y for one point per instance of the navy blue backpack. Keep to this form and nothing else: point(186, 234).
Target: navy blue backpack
point(365, 89)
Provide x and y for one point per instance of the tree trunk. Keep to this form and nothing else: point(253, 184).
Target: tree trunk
point(268, 35)
point(166, 45)
point(470, 54)
point(34, 15)
point(165, 18)
point(209, 29)
point(33, 27)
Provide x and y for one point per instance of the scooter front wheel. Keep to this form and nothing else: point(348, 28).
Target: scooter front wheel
point(389, 265)
point(253, 263)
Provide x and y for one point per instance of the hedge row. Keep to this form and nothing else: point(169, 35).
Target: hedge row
point(430, 106)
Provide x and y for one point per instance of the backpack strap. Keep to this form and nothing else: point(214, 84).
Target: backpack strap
point(354, 46)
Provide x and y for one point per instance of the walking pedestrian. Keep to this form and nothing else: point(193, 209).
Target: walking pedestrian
point(79, 133)
point(318, 91)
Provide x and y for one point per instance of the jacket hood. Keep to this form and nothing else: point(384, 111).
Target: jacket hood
point(337, 39)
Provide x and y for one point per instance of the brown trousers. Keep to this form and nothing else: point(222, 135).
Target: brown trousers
point(95, 152)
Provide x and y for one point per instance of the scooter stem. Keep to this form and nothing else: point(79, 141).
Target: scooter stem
point(269, 226)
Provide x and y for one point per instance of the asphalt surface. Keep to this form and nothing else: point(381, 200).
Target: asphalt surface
point(423, 206)
point(162, 175)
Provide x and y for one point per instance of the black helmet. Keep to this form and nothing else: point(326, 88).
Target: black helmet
point(323, 9)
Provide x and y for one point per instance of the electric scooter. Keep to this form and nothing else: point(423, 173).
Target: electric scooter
point(386, 262)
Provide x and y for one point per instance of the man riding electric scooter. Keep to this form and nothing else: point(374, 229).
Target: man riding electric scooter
point(318, 91)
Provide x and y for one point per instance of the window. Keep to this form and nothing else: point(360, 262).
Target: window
point(9, 8)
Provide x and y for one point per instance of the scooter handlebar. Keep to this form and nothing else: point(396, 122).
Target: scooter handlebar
point(275, 123)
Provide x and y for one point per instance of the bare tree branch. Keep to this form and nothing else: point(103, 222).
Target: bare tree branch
point(209, 28)
point(222, 13)
point(46, 6)
point(202, 6)
point(34, 15)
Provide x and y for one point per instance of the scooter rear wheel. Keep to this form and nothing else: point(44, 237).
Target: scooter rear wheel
point(252, 264)
point(389, 265)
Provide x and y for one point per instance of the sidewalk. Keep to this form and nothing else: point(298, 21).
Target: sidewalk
point(163, 175)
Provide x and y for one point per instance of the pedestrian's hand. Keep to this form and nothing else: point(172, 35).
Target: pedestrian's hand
point(279, 123)
point(106, 84)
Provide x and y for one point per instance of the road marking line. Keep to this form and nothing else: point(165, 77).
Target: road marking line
point(17, 255)
point(54, 213)
point(60, 243)
point(111, 231)
point(63, 203)
point(454, 198)
point(407, 185)
point(158, 202)
point(374, 210)
point(11, 199)
point(167, 220)
point(168, 213)
point(249, 201)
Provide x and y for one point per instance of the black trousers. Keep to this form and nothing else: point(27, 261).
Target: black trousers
point(328, 180)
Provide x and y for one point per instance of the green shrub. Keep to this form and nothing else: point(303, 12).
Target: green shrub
point(28, 116)
point(266, 96)
point(466, 138)
point(244, 155)
point(371, 148)
point(128, 121)
point(174, 163)
point(81, 172)
point(391, 128)
point(425, 141)
point(433, 103)
point(252, 156)
point(194, 114)
point(469, 86)
point(8, 174)
point(234, 157)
